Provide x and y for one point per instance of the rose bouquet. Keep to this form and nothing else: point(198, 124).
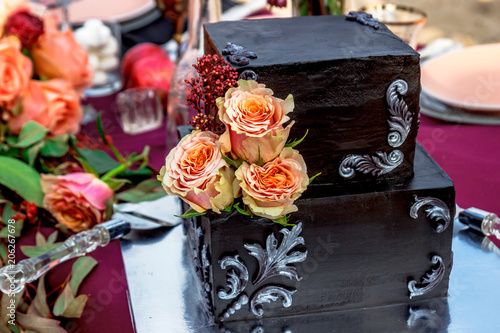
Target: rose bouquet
point(238, 155)
point(51, 177)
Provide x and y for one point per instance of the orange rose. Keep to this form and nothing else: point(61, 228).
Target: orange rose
point(269, 191)
point(196, 172)
point(58, 55)
point(15, 72)
point(77, 200)
point(254, 121)
point(53, 104)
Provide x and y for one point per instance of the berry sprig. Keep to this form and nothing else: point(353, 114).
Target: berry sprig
point(215, 77)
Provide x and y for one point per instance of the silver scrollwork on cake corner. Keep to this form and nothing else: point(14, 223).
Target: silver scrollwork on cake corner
point(401, 118)
point(430, 281)
point(235, 306)
point(270, 294)
point(276, 260)
point(378, 164)
point(236, 281)
point(437, 210)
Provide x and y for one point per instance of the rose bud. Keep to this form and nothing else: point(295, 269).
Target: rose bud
point(26, 26)
point(269, 191)
point(53, 104)
point(15, 73)
point(254, 121)
point(77, 200)
point(196, 172)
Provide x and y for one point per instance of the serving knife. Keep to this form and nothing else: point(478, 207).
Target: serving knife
point(127, 217)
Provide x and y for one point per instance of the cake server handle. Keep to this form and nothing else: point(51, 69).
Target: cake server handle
point(13, 277)
point(482, 221)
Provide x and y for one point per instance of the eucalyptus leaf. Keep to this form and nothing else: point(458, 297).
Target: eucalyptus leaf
point(17, 227)
point(76, 307)
point(63, 301)
point(39, 324)
point(52, 238)
point(40, 239)
point(31, 133)
point(190, 213)
point(21, 178)
point(81, 268)
point(115, 183)
point(8, 212)
point(35, 251)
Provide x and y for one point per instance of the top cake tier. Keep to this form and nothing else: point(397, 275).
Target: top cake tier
point(356, 88)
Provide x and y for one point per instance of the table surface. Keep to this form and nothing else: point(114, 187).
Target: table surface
point(468, 153)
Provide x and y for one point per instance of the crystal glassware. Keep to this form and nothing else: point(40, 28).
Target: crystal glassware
point(405, 22)
point(139, 110)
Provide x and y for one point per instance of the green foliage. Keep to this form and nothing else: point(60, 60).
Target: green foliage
point(313, 177)
point(35, 251)
point(190, 213)
point(22, 179)
point(284, 221)
point(234, 163)
point(81, 268)
point(295, 142)
point(243, 210)
point(146, 190)
point(31, 133)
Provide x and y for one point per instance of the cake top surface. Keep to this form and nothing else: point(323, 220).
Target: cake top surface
point(307, 39)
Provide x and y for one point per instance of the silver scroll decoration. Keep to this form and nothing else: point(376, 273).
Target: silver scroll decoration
point(437, 211)
point(270, 294)
point(236, 281)
point(400, 117)
point(430, 281)
point(236, 305)
point(378, 164)
point(275, 260)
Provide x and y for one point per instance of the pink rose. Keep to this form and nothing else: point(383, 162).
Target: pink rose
point(77, 200)
point(57, 55)
point(254, 121)
point(53, 104)
point(15, 72)
point(196, 172)
point(269, 191)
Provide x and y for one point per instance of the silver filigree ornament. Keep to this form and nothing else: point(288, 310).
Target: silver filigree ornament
point(235, 306)
point(378, 164)
point(270, 294)
point(430, 281)
point(401, 118)
point(437, 211)
point(236, 281)
point(276, 260)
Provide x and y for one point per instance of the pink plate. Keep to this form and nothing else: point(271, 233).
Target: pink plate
point(468, 78)
point(108, 10)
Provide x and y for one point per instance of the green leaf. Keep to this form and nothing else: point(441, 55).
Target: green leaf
point(17, 227)
point(235, 163)
point(56, 146)
point(40, 301)
point(40, 239)
point(31, 133)
point(245, 210)
point(102, 135)
point(81, 268)
point(67, 296)
point(295, 142)
point(115, 184)
point(39, 324)
point(75, 308)
point(21, 178)
point(87, 167)
point(190, 213)
point(228, 208)
point(312, 178)
point(3, 252)
point(259, 162)
point(35, 251)
point(284, 221)
point(136, 197)
point(8, 212)
point(99, 160)
point(52, 238)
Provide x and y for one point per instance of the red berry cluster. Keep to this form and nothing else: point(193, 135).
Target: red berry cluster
point(215, 77)
point(26, 210)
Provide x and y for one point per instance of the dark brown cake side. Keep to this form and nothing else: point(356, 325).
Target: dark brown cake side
point(355, 88)
point(379, 245)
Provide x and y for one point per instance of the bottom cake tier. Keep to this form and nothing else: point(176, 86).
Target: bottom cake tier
point(371, 246)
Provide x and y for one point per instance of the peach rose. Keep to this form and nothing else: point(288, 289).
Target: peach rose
point(15, 72)
point(196, 172)
point(58, 55)
point(269, 191)
point(53, 104)
point(77, 200)
point(254, 121)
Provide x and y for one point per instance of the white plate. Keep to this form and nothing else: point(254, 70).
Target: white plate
point(108, 10)
point(468, 78)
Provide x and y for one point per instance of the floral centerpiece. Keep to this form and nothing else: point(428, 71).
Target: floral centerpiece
point(238, 155)
point(51, 176)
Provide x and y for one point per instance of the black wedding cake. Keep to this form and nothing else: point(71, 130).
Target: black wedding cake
point(375, 228)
